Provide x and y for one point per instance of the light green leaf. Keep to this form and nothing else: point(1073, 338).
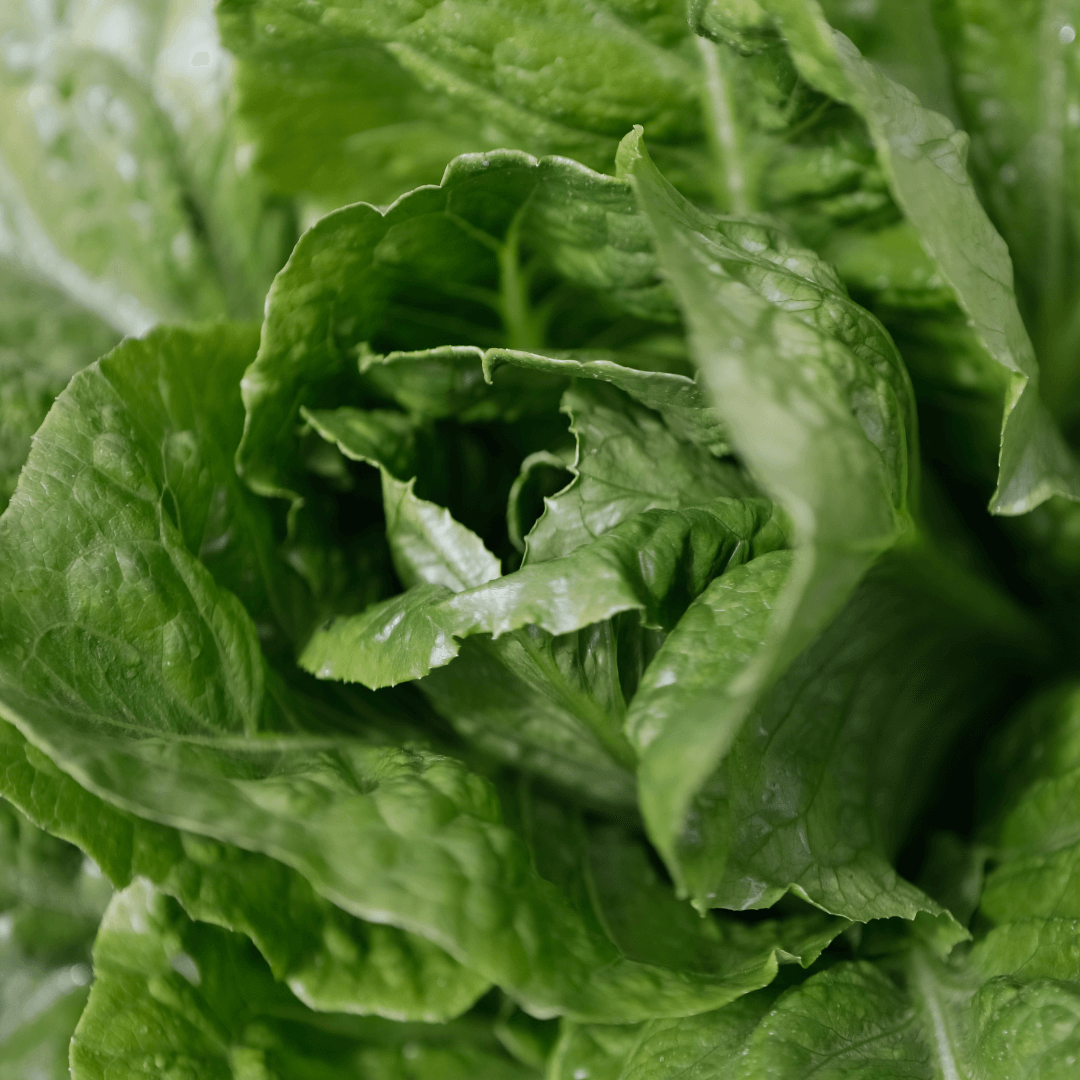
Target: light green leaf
point(44, 340)
point(655, 563)
point(695, 1047)
point(1016, 81)
point(181, 998)
point(122, 181)
point(382, 96)
point(817, 403)
point(924, 158)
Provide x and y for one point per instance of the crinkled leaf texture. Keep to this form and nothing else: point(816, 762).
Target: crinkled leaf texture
point(394, 93)
point(530, 664)
point(1007, 1006)
point(360, 274)
point(924, 157)
point(167, 709)
point(174, 997)
point(331, 961)
point(816, 400)
point(552, 698)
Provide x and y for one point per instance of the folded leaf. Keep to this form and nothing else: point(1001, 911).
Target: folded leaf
point(1009, 1005)
point(655, 563)
point(178, 996)
point(924, 158)
point(627, 462)
point(819, 410)
point(1015, 81)
point(441, 262)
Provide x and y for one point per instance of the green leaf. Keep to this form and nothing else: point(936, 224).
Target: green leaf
point(330, 960)
point(901, 38)
point(1009, 1005)
point(1016, 82)
point(597, 1052)
point(655, 563)
point(695, 1047)
point(181, 997)
point(816, 401)
point(121, 175)
point(627, 462)
point(924, 159)
point(44, 340)
point(851, 723)
point(440, 263)
point(426, 543)
point(166, 708)
point(381, 97)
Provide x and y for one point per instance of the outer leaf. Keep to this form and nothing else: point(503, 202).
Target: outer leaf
point(852, 723)
point(924, 158)
point(119, 168)
point(1016, 81)
point(44, 340)
point(330, 960)
point(398, 92)
point(177, 996)
point(695, 1047)
point(1010, 1006)
point(794, 382)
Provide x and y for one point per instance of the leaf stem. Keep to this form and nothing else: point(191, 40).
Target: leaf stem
point(731, 181)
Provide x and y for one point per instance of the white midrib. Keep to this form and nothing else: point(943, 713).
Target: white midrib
point(943, 1049)
point(722, 127)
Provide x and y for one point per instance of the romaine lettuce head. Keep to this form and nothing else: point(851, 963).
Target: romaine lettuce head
point(538, 646)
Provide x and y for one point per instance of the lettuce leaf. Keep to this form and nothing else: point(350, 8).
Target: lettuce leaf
point(222, 747)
